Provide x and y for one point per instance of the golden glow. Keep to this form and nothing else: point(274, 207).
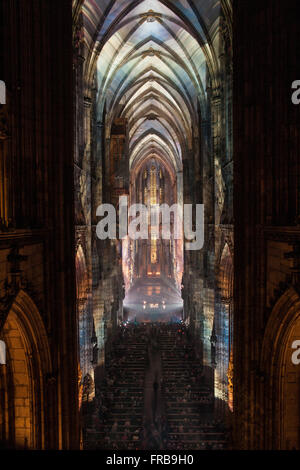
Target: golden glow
point(153, 251)
point(153, 186)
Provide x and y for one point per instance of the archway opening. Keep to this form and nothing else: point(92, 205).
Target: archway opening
point(17, 382)
point(85, 326)
point(290, 390)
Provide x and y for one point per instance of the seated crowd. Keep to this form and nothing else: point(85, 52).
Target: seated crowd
point(118, 419)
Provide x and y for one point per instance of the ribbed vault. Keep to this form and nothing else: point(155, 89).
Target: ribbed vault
point(154, 60)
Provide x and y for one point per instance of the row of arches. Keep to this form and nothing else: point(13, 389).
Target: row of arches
point(280, 376)
point(150, 73)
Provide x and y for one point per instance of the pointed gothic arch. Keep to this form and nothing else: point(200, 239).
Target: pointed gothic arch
point(84, 317)
point(282, 377)
point(24, 380)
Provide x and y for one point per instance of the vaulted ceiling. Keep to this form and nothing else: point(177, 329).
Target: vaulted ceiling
point(153, 61)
